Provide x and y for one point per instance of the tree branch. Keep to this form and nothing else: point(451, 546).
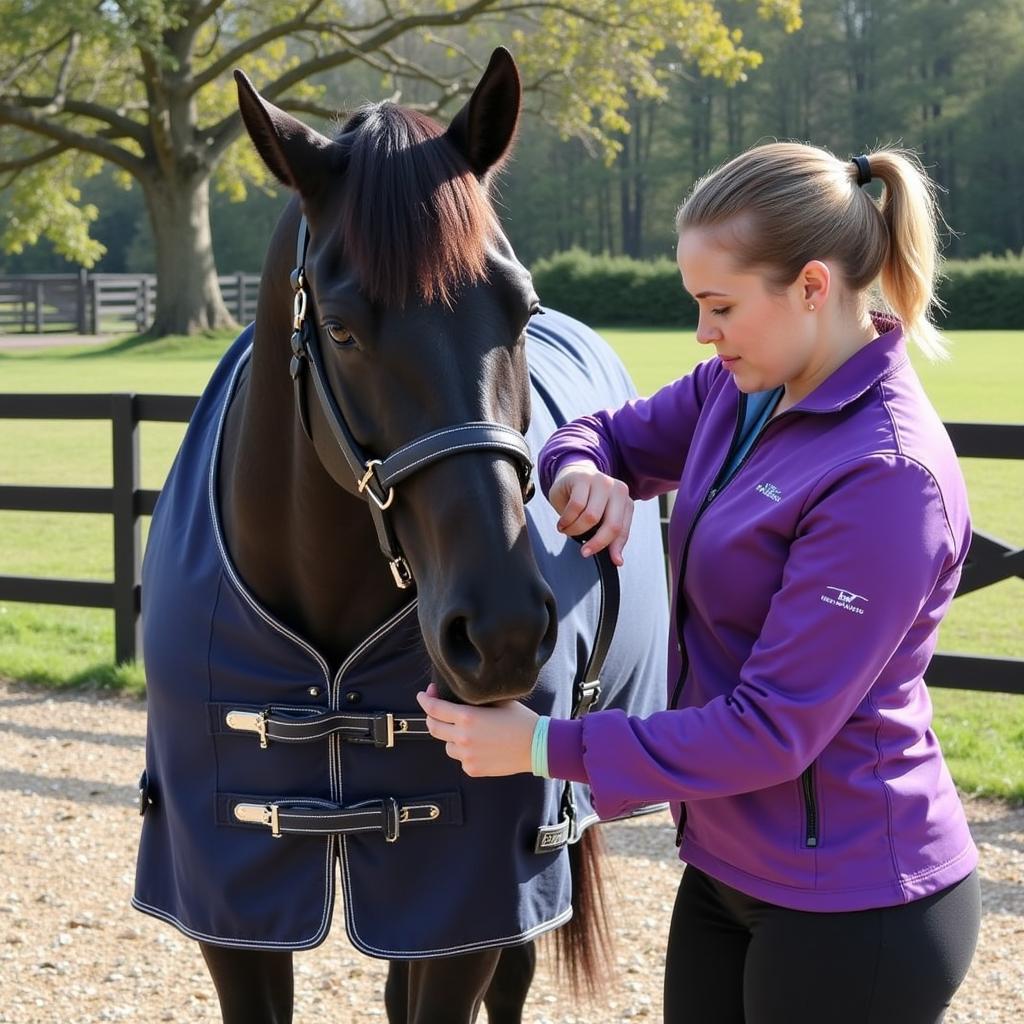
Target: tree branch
point(35, 122)
point(373, 43)
point(49, 107)
point(23, 64)
point(203, 12)
point(61, 89)
point(224, 132)
point(253, 43)
point(308, 107)
point(405, 68)
point(40, 156)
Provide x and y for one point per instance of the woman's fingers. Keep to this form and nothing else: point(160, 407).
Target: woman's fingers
point(615, 522)
point(441, 712)
point(493, 740)
point(582, 508)
point(617, 545)
point(587, 498)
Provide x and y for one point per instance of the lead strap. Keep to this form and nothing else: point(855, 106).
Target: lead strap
point(587, 692)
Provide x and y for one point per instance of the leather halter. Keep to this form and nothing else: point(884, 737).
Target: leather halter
point(376, 478)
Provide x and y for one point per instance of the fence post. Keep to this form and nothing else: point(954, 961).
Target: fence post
point(83, 300)
point(127, 530)
point(95, 295)
point(142, 310)
point(240, 301)
point(39, 307)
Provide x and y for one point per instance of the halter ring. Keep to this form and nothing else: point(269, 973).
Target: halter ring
point(298, 308)
point(364, 481)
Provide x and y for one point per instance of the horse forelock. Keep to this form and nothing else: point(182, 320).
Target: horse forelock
point(415, 220)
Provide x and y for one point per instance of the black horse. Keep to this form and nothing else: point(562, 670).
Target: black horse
point(282, 659)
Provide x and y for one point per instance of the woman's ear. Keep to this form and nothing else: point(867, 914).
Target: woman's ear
point(815, 283)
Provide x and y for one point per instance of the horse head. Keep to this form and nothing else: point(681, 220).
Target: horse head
point(420, 307)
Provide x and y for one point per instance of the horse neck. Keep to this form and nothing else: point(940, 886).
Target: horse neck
point(305, 547)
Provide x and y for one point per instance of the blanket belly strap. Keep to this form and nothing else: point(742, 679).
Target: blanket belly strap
point(305, 725)
point(313, 816)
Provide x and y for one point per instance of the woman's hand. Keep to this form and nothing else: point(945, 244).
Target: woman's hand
point(584, 496)
point(494, 740)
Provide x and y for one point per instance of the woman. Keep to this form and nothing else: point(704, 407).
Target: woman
point(816, 543)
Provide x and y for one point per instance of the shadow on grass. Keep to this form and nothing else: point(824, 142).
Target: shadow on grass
point(126, 679)
point(208, 343)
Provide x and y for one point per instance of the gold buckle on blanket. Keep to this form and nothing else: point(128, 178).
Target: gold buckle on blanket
point(260, 814)
point(249, 721)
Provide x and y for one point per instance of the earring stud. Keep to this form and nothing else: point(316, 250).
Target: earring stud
point(810, 306)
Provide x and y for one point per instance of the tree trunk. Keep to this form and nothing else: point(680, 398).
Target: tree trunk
point(188, 295)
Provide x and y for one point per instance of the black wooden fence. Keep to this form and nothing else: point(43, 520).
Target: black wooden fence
point(85, 303)
point(989, 560)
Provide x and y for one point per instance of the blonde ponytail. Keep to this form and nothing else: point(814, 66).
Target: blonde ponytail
point(801, 203)
point(910, 213)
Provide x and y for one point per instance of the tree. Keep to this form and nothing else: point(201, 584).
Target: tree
point(145, 86)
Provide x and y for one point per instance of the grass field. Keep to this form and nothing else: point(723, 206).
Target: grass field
point(983, 734)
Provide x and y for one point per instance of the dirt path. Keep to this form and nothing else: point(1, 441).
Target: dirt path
point(10, 341)
point(72, 950)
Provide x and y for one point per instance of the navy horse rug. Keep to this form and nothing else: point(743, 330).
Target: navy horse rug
point(269, 780)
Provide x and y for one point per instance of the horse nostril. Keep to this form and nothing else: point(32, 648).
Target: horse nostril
point(547, 643)
point(459, 650)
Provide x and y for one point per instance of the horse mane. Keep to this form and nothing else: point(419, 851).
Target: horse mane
point(415, 219)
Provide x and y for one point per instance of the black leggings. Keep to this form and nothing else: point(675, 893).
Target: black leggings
point(733, 959)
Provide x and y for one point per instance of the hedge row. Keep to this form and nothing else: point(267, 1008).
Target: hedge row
point(986, 293)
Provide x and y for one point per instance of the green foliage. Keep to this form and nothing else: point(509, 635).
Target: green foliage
point(613, 289)
point(47, 201)
point(987, 292)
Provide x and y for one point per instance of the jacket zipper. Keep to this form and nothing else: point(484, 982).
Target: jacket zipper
point(712, 492)
point(810, 807)
point(716, 488)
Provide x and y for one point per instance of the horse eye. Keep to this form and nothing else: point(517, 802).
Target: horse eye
point(338, 334)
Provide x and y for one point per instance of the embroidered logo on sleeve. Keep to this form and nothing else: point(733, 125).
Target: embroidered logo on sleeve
point(845, 599)
point(770, 491)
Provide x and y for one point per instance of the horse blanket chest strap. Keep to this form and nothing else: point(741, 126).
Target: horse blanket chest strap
point(324, 818)
point(376, 478)
point(306, 725)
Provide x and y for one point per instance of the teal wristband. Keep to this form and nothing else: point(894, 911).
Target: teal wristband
point(539, 748)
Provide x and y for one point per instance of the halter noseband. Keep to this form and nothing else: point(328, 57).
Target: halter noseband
point(376, 478)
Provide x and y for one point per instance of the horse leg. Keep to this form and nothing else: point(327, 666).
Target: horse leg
point(254, 986)
point(444, 990)
point(506, 995)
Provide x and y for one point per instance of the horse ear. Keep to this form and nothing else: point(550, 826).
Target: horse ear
point(297, 155)
point(484, 128)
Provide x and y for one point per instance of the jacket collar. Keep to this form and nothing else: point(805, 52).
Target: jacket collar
point(863, 370)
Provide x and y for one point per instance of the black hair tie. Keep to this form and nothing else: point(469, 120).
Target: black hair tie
point(863, 169)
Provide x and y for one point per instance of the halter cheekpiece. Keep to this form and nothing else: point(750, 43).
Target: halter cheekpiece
point(375, 479)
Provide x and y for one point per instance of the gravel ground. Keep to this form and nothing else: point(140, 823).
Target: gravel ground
point(72, 949)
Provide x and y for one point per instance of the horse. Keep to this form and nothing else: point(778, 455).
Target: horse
point(400, 362)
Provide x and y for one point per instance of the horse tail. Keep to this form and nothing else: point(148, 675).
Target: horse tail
point(583, 947)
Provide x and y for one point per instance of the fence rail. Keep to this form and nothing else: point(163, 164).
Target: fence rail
point(989, 560)
point(85, 303)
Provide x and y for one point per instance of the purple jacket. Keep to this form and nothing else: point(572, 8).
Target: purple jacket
point(798, 734)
